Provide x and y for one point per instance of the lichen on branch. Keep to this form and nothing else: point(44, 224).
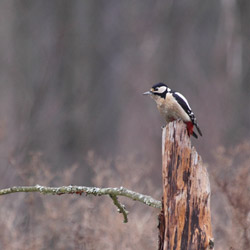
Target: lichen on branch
point(112, 192)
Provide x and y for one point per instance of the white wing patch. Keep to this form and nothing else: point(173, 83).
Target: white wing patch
point(182, 97)
point(161, 89)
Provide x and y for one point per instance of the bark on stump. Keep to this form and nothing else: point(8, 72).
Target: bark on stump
point(185, 219)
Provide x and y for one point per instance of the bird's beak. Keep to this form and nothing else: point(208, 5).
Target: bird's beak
point(147, 93)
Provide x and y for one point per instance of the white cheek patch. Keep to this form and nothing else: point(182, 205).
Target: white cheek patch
point(161, 89)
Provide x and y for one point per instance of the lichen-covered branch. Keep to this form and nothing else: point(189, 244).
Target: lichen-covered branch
point(112, 192)
point(121, 207)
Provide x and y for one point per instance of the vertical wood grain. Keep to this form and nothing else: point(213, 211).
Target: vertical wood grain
point(186, 193)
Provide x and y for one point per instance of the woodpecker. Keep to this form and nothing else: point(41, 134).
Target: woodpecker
point(173, 106)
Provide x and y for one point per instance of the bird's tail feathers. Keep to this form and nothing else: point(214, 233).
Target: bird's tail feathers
point(195, 135)
point(198, 129)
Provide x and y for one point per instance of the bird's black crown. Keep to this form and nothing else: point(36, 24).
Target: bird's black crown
point(158, 85)
point(160, 89)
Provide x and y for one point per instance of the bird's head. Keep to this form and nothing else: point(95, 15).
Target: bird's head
point(159, 90)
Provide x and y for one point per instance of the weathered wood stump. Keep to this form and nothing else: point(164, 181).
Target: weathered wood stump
point(185, 219)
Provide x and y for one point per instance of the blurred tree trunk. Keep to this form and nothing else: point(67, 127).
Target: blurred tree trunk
point(185, 219)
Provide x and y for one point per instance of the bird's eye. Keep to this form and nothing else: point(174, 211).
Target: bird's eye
point(156, 89)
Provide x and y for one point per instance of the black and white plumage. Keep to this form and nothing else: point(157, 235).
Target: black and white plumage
point(173, 106)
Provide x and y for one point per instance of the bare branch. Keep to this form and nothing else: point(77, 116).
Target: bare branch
point(112, 192)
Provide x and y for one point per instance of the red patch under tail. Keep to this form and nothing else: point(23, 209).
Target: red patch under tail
point(190, 127)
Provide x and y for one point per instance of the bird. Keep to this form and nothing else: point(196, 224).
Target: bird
point(174, 106)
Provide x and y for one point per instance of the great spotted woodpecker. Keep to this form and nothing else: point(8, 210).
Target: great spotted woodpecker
point(173, 106)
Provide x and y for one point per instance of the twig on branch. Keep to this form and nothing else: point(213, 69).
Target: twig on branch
point(121, 207)
point(112, 192)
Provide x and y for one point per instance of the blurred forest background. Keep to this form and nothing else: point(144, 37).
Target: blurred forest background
point(72, 74)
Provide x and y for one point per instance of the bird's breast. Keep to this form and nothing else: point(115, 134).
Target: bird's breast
point(171, 110)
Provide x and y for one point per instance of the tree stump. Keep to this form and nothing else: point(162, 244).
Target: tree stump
point(185, 219)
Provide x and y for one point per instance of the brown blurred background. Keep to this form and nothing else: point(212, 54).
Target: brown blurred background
point(72, 74)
